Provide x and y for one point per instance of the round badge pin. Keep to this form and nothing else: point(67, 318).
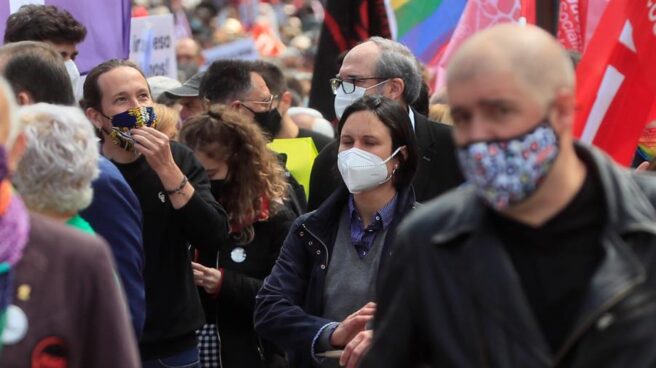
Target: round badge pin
point(238, 255)
point(16, 327)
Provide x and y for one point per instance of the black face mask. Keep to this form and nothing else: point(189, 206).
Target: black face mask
point(269, 121)
point(218, 186)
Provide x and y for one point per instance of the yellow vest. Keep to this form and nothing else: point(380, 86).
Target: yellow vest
point(301, 153)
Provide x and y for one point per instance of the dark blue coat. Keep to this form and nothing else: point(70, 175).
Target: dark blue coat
point(115, 214)
point(289, 304)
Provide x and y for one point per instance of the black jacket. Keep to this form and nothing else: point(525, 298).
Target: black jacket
point(437, 172)
point(320, 140)
point(173, 308)
point(454, 299)
point(232, 310)
point(290, 304)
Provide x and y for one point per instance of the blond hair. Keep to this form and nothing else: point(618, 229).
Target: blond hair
point(167, 120)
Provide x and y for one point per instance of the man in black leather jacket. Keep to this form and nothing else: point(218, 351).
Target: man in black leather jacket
point(546, 258)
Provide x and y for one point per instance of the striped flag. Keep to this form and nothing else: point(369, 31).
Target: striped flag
point(616, 81)
point(424, 26)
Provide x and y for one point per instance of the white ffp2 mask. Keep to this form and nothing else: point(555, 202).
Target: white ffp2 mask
point(362, 170)
point(74, 75)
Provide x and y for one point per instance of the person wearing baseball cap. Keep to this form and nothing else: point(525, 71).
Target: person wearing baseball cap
point(187, 96)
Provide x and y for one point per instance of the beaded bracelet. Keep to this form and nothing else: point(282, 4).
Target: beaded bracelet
point(179, 188)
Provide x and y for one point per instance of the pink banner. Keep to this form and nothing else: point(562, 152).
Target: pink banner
point(481, 14)
point(594, 11)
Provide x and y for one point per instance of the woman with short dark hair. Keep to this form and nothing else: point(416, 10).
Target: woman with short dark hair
point(319, 294)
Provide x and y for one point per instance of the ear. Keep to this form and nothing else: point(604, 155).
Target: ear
point(16, 152)
point(95, 116)
point(235, 105)
point(285, 102)
point(24, 98)
point(564, 106)
point(404, 153)
point(395, 88)
point(207, 105)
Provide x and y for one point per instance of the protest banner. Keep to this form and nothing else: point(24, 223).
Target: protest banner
point(152, 45)
point(243, 49)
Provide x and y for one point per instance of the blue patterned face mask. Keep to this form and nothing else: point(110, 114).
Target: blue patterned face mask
point(122, 123)
point(506, 172)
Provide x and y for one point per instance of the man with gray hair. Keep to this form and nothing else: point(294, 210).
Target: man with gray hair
point(385, 67)
point(547, 258)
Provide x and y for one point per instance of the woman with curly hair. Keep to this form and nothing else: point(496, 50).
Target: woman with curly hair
point(248, 181)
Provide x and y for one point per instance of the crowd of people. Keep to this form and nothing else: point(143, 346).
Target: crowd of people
point(151, 224)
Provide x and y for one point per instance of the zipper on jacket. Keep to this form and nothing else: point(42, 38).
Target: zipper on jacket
point(325, 248)
point(260, 351)
point(572, 340)
point(216, 326)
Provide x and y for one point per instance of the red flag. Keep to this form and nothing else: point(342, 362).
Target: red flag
point(616, 81)
point(570, 31)
point(591, 12)
point(528, 11)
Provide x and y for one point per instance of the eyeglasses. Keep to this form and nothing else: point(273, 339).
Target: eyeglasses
point(348, 85)
point(268, 104)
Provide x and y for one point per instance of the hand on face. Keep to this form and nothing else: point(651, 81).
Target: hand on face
point(122, 88)
point(154, 146)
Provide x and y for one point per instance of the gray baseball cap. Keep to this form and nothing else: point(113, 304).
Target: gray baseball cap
point(188, 88)
point(161, 84)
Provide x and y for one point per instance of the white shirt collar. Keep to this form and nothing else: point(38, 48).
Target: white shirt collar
point(411, 114)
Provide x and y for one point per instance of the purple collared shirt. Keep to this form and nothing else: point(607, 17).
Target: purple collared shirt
point(363, 239)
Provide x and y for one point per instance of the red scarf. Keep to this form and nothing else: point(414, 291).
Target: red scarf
point(263, 215)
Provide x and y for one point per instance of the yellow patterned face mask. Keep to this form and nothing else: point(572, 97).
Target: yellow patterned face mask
point(647, 144)
point(136, 117)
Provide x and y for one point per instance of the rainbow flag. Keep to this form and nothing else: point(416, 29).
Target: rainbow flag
point(425, 26)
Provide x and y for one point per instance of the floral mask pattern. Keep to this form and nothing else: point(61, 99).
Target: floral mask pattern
point(508, 171)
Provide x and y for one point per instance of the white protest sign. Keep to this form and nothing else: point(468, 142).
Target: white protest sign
point(243, 49)
point(152, 45)
point(14, 5)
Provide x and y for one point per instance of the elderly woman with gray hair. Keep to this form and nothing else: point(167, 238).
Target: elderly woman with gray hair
point(60, 162)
